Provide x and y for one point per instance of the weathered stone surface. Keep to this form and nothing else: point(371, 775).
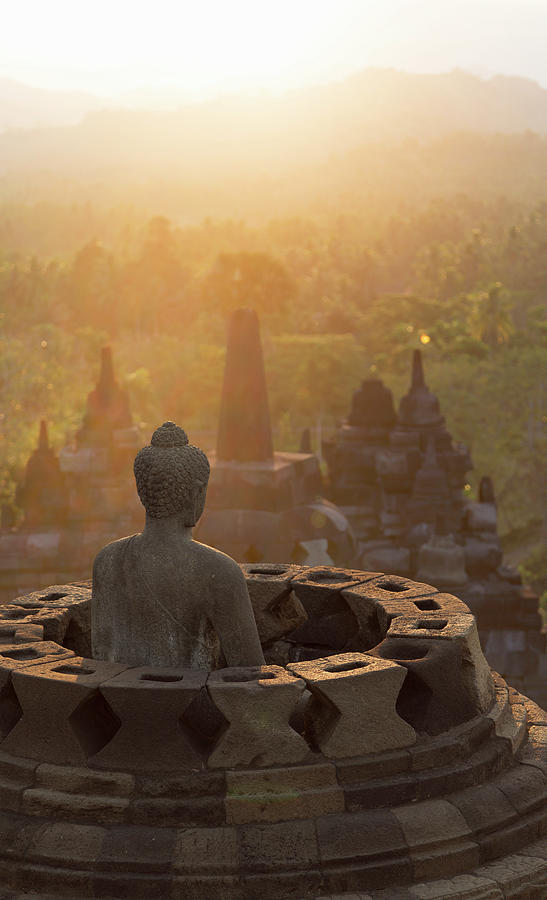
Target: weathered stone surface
point(278, 794)
point(433, 697)
point(63, 716)
point(331, 623)
point(257, 704)
point(461, 630)
point(276, 608)
point(343, 687)
point(149, 703)
point(21, 634)
point(161, 598)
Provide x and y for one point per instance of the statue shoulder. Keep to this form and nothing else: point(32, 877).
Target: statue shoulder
point(112, 553)
point(222, 567)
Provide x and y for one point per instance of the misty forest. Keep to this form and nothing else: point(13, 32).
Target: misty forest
point(361, 220)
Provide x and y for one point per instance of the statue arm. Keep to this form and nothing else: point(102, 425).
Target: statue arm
point(235, 624)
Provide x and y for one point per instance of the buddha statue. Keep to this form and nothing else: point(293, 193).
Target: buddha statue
point(161, 598)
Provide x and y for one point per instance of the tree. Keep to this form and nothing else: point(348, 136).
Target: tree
point(256, 280)
point(491, 320)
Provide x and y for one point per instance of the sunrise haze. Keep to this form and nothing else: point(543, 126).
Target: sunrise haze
point(163, 51)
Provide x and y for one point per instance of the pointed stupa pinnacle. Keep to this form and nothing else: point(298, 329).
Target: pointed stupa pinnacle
point(106, 377)
point(419, 407)
point(244, 429)
point(418, 380)
point(43, 440)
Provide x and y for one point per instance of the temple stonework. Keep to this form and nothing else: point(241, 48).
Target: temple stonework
point(264, 504)
point(74, 501)
point(399, 479)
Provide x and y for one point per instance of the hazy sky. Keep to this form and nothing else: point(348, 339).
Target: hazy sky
point(205, 47)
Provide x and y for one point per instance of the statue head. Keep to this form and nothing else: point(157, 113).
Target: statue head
point(172, 475)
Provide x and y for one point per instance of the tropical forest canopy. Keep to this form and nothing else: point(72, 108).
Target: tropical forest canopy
point(355, 245)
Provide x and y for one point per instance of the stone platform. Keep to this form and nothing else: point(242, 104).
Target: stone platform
point(386, 765)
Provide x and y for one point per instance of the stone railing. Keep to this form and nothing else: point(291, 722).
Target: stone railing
point(399, 658)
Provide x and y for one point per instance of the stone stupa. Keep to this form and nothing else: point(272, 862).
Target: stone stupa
point(75, 500)
point(400, 481)
point(264, 504)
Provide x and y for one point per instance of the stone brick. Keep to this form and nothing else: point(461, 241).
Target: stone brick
point(66, 844)
point(61, 722)
point(20, 634)
point(204, 887)
point(277, 847)
point(276, 608)
point(461, 630)
point(206, 851)
point(524, 786)
point(485, 808)
point(372, 766)
point(272, 795)
point(257, 703)
point(331, 623)
point(368, 835)
point(430, 823)
point(137, 849)
point(149, 702)
point(96, 809)
point(348, 683)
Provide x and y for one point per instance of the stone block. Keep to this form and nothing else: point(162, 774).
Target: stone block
point(388, 595)
point(66, 844)
point(319, 587)
point(84, 781)
point(150, 703)
point(280, 794)
point(430, 823)
point(331, 623)
point(461, 630)
point(525, 787)
point(368, 835)
point(257, 703)
point(19, 656)
point(433, 697)
point(272, 847)
point(137, 849)
point(485, 808)
point(276, 607)
point(373, 766)
point(342, 686)
point(206, 851)
point(187, 799)
point(64, 717)
point(92, 808)
point(20, 634)
point(205, 887)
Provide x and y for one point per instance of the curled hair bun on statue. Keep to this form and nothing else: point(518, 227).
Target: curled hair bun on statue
point(169, 435)
point(168, 473)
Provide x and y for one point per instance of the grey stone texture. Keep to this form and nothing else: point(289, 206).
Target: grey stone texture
point(352, 712)
point(161, 598)
point(257, 704)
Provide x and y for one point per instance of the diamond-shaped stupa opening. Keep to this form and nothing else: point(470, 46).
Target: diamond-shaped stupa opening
point(94, 723)
point(10, 709)
point(203, 724)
